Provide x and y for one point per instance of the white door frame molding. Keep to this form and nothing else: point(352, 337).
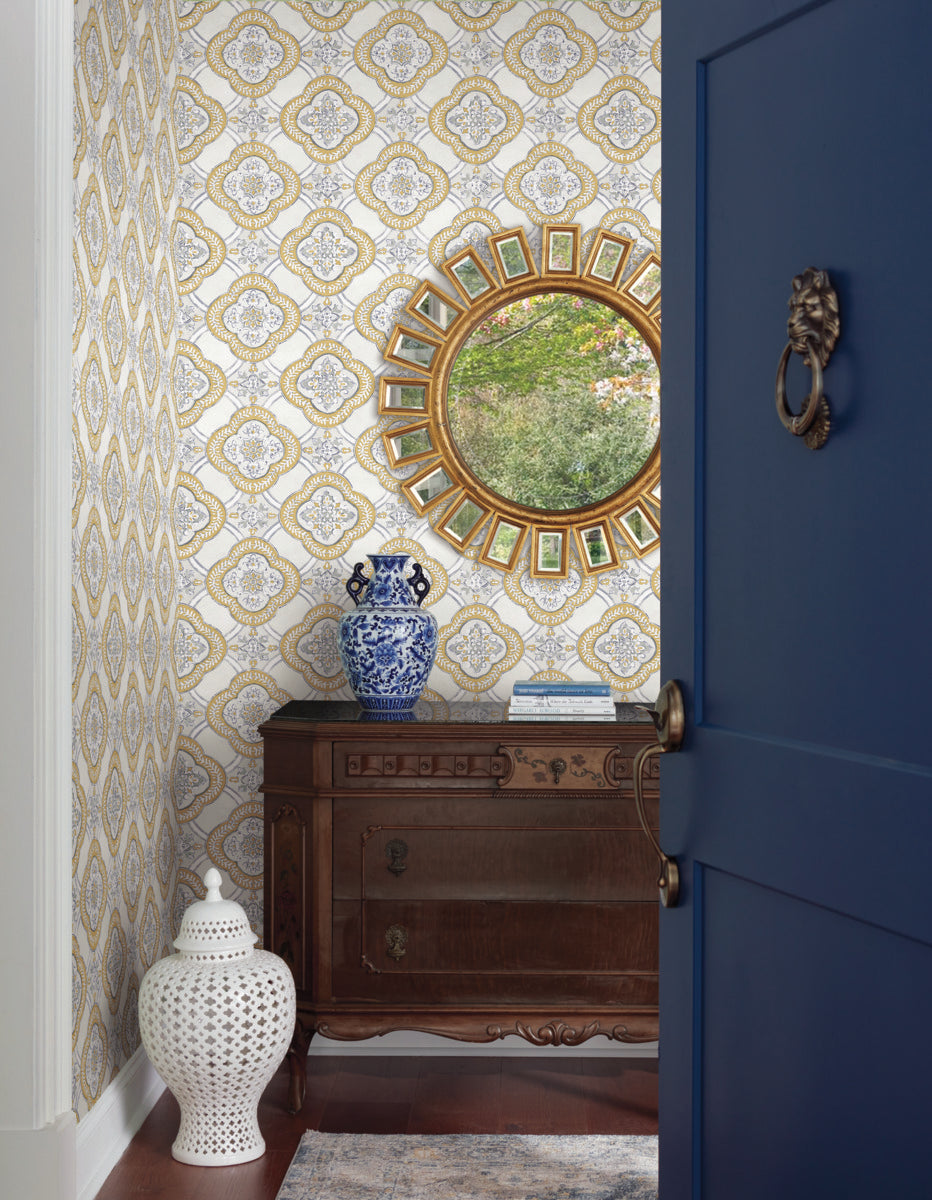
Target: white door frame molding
point(37, 1126)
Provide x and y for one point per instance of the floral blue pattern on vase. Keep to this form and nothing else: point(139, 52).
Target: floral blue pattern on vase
point(388, 643)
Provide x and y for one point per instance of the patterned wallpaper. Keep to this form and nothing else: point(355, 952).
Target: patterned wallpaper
point(330, 155)
point(124, 563)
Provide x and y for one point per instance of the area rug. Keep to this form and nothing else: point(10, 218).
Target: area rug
point(351, 1166)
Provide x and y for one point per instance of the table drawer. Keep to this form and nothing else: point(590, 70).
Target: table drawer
point(570, 767)
point(404, 861)
point(413, 949)
point(391, 765)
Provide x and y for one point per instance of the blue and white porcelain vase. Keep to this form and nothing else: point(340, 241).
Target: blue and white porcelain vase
point(388, 643)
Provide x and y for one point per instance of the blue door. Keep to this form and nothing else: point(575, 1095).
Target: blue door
point(796, 972)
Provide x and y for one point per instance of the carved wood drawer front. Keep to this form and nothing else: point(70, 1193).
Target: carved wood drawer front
point(517, 864)
point(407, 764)
point(481, 949)
point(620, 770)
point(568, 768)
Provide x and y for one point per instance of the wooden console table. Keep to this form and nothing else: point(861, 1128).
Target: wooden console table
point(472, 877)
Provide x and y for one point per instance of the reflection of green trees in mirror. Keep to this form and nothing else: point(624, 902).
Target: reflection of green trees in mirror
point(553, 401)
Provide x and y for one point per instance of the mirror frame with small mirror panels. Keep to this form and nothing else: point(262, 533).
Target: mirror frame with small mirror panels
point(458, 504)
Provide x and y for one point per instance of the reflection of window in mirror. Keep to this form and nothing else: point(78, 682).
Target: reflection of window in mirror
point(647, 284)
point(503, 543)
point(432, 486)
point(561, 252)
point(414, 350)
point(436, 310)
point(403, 395)
point(549, 551)
point(513, 259)
point(637, 523)
point(641, 530)
point(464, 520)
point(410, 444)
point(596, 549)
point(471, 278)
point(608, 260)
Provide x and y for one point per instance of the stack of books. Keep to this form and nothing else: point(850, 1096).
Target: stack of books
point(532, 701)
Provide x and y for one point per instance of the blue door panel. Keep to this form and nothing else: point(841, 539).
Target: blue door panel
point(841, 831)
point(796, 974)
point(815, 1036)
point(816, 534)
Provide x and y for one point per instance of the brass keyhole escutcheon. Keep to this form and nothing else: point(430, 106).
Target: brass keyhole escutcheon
point(556, 766)
point(396, 851)
point(396, 942)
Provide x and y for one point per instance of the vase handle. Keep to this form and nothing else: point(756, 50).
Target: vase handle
point(356, 582)
point(419, 582)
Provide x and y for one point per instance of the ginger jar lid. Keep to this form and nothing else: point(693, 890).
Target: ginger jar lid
point(215, 928)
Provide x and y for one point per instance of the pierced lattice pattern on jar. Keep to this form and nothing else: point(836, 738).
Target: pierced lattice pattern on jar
point(216, 1021)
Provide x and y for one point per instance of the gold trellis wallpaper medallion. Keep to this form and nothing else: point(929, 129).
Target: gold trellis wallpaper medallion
point(253, 317)
point(327, 119)
point(197, 780)
point(196, 383)
point(475, 15)
point(253, 53)
point(327, 516)
point(477, 647)
point(198, 251)
point(471, 227)
point(253, 581)
point(198, 515)
point(93, 230)
point(623, 15)
point(237, 712)
point(197, 647)
point(312, 648)
point(327, 250)
point(253, 185)
point(377, 313)
point(402, 185)
point(198, 120)
point(623, 119)
point(259, 190)
point(327, 383)
point(551, 184)
point(401, 53)
point(328, 16)
point(253, 449)
point(551, 53)
point(476, 120)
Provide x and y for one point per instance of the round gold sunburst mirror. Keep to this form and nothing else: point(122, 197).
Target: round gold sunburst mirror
point(529, 406)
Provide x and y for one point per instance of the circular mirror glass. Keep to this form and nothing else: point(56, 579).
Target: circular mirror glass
point(554, 401)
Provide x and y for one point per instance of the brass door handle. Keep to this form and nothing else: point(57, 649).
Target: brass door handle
point(669, 719)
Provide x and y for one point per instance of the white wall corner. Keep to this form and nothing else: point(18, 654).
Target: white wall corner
point(108, 1128)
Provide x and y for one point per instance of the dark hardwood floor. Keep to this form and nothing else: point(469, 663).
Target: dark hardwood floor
point(428, 1094)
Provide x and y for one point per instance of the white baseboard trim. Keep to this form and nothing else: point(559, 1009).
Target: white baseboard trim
point(402, 1042)
point(39, 1164)
point(109, 1127)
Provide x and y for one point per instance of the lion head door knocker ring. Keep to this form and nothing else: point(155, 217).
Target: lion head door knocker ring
point(813, 328)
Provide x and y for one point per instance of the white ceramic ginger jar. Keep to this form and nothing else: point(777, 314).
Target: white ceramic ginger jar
point(216, 1021)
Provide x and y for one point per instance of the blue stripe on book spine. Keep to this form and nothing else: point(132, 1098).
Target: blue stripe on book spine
point(527, 687)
